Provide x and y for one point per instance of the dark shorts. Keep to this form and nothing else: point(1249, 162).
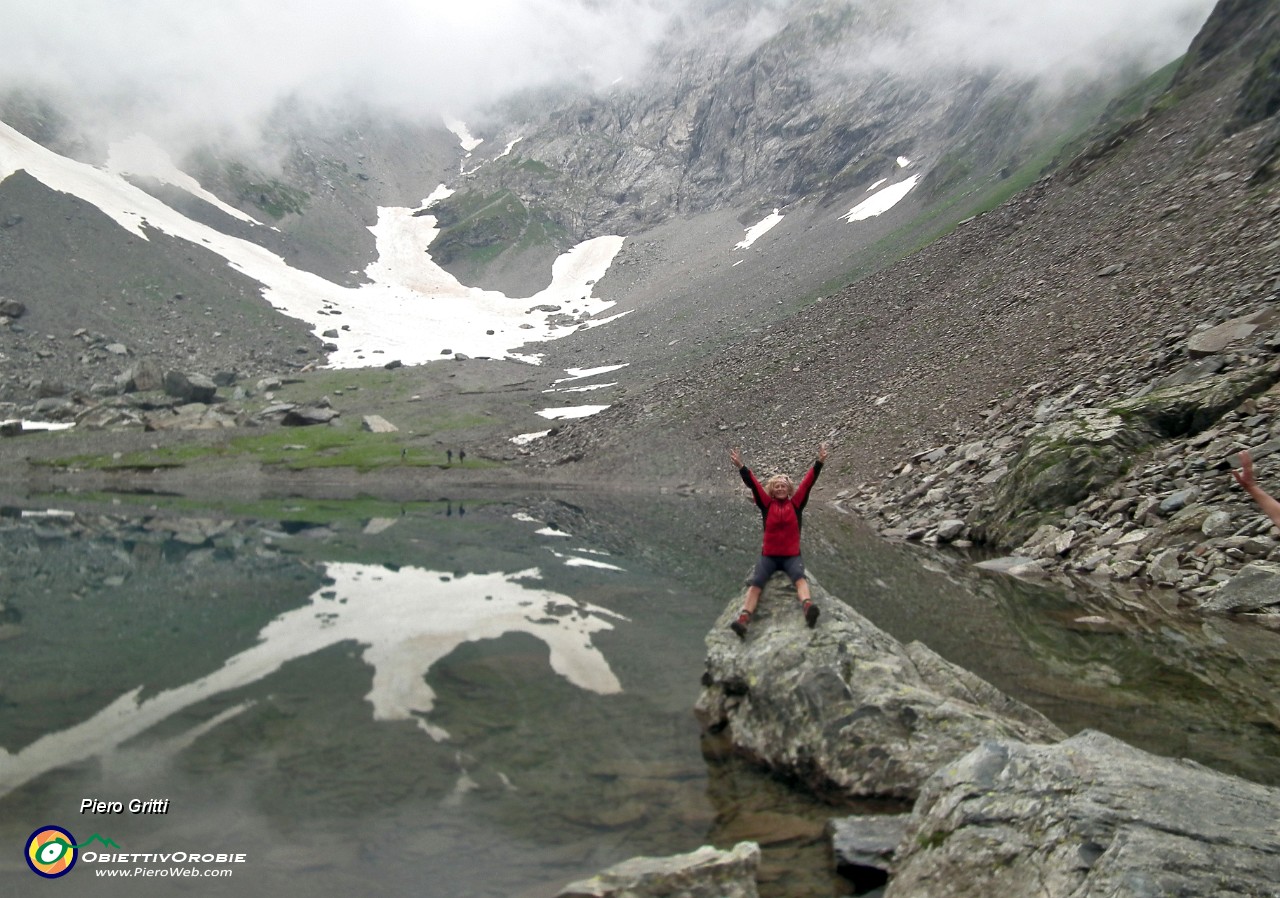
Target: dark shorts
point(793, 565)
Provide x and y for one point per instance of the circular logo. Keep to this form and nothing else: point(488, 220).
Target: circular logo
point(51, 852)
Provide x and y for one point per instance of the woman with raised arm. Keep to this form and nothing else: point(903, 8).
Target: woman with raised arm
point(781, 504)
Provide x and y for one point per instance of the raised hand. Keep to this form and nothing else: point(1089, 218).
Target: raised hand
point(1244, 476)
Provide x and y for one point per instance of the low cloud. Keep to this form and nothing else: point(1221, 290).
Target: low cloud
point(1062, 40)
point(185, 70)
point(166, 66)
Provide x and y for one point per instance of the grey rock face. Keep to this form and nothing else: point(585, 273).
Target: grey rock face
point(189, 387)
point(705, 873)
point(143, 376)
point(308, 416)
point(845, 708)
point(1087, 818)
point(864, 847)
point(1256, 587)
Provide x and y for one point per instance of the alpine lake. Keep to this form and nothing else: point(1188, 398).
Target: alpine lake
point(490, 693)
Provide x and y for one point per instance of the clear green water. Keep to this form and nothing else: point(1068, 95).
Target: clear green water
point(492, 696)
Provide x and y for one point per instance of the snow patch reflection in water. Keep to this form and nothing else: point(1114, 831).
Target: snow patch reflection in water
point(407, 620)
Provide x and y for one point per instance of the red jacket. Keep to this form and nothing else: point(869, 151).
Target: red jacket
point(782, 519)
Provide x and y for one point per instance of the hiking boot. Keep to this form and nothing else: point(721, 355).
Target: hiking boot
point(739, 626)
point(810, 614)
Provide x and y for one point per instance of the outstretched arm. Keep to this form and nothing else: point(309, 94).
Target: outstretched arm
point(757, 491)
point(1245, 478)
point(801, 496)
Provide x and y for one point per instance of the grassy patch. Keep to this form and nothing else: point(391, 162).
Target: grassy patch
point(533, 166)
point(274, 198)
point(476, 228)
point(294, 448)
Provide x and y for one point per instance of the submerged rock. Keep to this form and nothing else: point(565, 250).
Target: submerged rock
point(844, 708)
point(1087, 818)
point(705, 873)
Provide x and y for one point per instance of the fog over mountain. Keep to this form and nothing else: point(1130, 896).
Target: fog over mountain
point(182, 72)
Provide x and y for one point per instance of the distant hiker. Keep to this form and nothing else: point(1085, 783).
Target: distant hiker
point(462, 456)
point(1265, 501)
point(781, 504)
point(449, 452)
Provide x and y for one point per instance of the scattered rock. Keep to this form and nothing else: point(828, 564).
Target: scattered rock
point(1255, 588)
point(705, 873)
point(378, 424)
point(189, 387)
point(308, 415)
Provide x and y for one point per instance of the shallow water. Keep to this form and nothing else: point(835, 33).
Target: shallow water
point(492, 695)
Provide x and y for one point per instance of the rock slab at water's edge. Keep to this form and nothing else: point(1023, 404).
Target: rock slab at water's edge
point(845, 708)
point(705, 873)
point(1087, 818)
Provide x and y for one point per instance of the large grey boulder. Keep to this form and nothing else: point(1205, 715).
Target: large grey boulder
point(307, 416)
point(143, 376)
point(1091, 817)
point(189, 387)
point(705, 873)
point(1215, 339)
point(845, 708)
point(1255, 588)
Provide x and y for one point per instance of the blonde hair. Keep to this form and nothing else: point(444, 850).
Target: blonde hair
point(779, 478)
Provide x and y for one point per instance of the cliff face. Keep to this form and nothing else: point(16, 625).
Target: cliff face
point(806, 116)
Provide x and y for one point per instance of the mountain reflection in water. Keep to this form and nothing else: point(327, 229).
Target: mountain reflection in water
point(405, 699)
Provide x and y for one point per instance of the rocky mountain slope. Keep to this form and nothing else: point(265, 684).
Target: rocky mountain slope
point(1080, 292)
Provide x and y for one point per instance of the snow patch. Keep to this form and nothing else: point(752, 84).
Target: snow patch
point(142, 157)
point(577, 411)
point(587, 389)
point(581, 373)
point(525, 439)
point(412, 312)
point(881, 202)
point(759, 229)
point(460, 131)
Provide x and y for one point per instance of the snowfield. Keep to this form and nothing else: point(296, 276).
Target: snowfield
point(413, 311)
